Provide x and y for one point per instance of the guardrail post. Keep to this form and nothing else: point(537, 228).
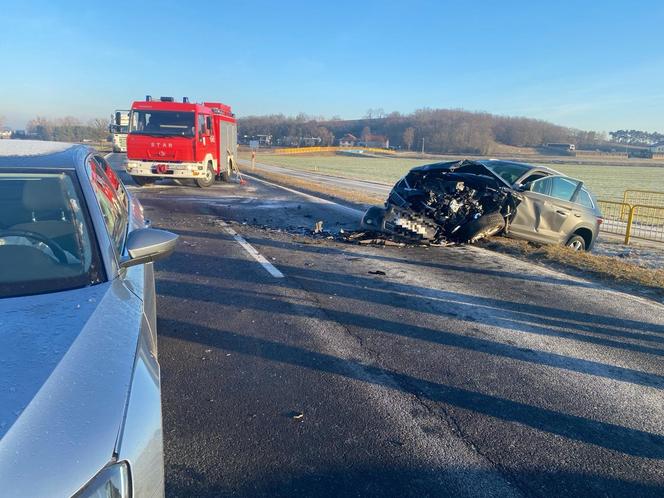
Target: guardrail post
point(628, 229)
point(622, 208)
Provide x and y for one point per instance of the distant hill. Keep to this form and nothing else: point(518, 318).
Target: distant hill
point(443, 130)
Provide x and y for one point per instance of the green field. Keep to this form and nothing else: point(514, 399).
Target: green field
point(605, 181)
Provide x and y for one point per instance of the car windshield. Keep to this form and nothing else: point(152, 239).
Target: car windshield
point(45, 241)
point(166, 123)
point(510, 172)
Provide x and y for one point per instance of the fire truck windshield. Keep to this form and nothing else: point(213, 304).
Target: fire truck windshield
point(162, 123)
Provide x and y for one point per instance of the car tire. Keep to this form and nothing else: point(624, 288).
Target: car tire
point(143, 180)
point(481, 228)
point(208, 179)
point(576, 243)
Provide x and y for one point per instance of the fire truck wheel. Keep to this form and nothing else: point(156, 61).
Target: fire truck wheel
point(208, 179)
point(142, 180)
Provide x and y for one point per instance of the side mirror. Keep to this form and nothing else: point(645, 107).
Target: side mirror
point(524, 187)
point(148, 244)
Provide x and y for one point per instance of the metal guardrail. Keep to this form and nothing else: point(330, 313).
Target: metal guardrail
point(644, 197)
point(309, 150)
point(639, 221)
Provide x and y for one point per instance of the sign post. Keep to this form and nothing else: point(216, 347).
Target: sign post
point(254, 145)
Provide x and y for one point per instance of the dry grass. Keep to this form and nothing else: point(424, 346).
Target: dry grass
point(626, 276)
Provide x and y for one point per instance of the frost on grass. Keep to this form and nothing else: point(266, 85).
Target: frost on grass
point(31, 147)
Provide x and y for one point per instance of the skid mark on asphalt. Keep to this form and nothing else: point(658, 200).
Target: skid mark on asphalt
point(271, 269)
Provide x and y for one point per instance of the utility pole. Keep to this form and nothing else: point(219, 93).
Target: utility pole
point(422, 145)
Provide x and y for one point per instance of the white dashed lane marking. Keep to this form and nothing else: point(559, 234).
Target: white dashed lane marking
point(271, 269)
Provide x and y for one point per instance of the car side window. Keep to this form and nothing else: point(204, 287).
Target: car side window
point(542, 186)
point(585, 200)
point(115, 181)
point(112, 201)
point(532, 178)
point(563, 188)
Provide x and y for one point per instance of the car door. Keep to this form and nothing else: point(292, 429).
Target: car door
point(546, 210)
point(206, 139)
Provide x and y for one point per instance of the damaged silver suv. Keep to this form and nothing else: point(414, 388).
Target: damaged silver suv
point(465, 201)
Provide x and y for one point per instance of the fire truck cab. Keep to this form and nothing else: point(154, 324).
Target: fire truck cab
point(169, 139)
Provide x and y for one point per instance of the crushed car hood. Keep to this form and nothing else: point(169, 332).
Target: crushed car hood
point(464, 166)
point(66, 362)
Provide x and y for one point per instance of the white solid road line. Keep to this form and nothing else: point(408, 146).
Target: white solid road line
point(271, 269)
point(338, 207)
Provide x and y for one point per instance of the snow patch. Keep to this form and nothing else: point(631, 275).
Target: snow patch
point(31, 147)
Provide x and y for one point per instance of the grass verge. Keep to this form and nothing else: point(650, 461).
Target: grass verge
point(606, 269)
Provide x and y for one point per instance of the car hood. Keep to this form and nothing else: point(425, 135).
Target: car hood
point(464, 166)
point(66, 362)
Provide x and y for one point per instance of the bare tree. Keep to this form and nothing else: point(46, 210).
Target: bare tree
point(443, 130)
point(409, 137)
point(326, 136)
point(99, 128)
point(366, 134)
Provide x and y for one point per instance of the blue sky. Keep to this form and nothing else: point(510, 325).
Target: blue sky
point(589, 65)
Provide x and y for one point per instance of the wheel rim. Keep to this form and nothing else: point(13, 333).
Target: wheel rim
point(208, 175)
point(575, 245)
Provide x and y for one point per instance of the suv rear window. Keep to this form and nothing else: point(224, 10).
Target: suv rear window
point(45, 236)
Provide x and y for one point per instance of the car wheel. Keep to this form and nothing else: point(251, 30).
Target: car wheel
point(142, 180)
point(576, 243)
point(208, 179)
point(481, 228)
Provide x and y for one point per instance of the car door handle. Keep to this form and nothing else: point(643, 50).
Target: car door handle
point(577, 215)
point(562, 213)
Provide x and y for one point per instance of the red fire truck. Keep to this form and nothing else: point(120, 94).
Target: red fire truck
point(169, 139)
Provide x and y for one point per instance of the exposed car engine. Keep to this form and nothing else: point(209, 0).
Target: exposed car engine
point(448, 202)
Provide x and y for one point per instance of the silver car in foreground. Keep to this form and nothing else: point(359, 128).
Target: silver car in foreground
point(80, 399)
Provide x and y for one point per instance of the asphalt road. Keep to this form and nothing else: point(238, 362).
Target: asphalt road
point(366, 186)
point(368, 371)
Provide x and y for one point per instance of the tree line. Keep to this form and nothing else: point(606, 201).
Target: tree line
point(441, 130)
point(636, 137)
point(68, 129)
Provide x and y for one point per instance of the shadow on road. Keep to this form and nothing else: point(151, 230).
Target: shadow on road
point(405, 482)
point(267, 297)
